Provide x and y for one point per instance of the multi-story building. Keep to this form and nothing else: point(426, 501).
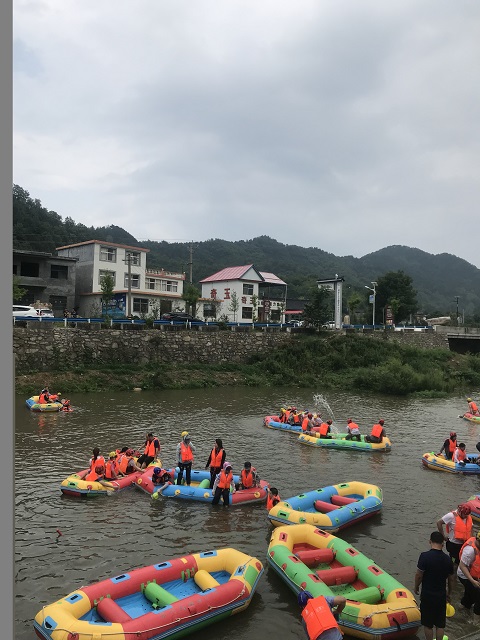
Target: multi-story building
point(244, 294)
point(137, 290)
point(46, 279)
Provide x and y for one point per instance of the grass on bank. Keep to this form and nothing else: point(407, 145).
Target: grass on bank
point(347, 362)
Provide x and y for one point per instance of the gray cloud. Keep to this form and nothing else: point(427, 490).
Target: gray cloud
point(347, 126)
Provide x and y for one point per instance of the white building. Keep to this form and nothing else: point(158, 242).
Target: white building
point(151, 291)
point(244, 294)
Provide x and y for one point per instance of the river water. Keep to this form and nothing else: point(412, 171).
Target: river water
point(106, 536)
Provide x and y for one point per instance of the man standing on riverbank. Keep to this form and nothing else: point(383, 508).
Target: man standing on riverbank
point(436, 575)
point(459, 526)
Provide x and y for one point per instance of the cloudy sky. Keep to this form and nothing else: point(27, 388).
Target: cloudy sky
point(337, 124)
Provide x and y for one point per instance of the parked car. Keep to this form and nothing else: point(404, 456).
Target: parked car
point(294, 323)
point(329, 325)
point(20, 310)
point(179, 316)
point(46, 313)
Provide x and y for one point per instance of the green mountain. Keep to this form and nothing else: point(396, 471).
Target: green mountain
point(438, 279)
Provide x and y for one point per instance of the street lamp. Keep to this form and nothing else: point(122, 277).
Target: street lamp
point(456, 298)
point(374, 294)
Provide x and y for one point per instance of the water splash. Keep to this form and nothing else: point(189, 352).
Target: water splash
point(320, 401)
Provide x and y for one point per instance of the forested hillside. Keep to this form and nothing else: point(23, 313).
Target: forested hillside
point(437, 278)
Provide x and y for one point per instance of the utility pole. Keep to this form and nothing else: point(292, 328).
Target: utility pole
point(128, 260)
point(191, 263)
point(456, 298)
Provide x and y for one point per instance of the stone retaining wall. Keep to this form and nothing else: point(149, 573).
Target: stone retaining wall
point(45, 348)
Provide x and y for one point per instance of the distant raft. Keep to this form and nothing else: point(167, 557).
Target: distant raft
point(332, 508)
point(309, 559)
point(76, 485)
point(337, 441)
point(471, 417)
point(439, 463)
point(33, 404)
point(273, 422)
point(166, 600)
point(200, 491)
point(474, 504)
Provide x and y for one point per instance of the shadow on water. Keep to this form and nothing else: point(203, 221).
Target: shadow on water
point(107, 536)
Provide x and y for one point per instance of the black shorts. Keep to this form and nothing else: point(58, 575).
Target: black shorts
point(145, 459)
point(453, 550)
point(433, 612)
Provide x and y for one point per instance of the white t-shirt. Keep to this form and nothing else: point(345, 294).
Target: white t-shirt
point(467, 557)
point(449, 519)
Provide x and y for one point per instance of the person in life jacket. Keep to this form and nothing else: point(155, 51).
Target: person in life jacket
point(473, 408)
point(127, 464)
point(307, 421)
point(151, 451)
point(185, 451)
point(111, 466)
point(460, 455)
point(458, 524)
point(377, 433)
point(320, 615)
point(449, 446)
point(282, 415)
point(273, 498)
point(215, 460)
point(223, 485)
point(324, 429)
point(468, 573)
point(161, 479)
point(248, 477)
point(66, 405)
point(353, 431)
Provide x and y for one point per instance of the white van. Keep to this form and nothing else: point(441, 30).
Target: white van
point(20, 310)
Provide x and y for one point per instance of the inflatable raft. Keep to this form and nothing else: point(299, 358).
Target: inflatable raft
point(338, 442)
point(273, 422)
point(378, 606)
point(76, 485)
point(199, 490)
point(33, 404)
point(166, 600)
point(474, 504)
point(332, 508)
point(432, 461)
point(471, 417)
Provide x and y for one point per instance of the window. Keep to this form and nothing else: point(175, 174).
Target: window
point(248, 289)
point(140, 305)
point(103, 272)
point(275, 315)
point(108, 254)
point(134, 257)
point(30, 269)
point(135, 280)
point(150, 283)
point(247, 313)
point(59, 271)
point(209, 310)
point(169, 285)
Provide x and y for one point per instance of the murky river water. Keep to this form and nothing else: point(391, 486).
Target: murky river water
point(106, 536)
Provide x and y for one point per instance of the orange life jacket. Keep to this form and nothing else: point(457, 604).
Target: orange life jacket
point(323, 430)
point(352, 425)
point(123, 464)
point(305, 423)
point(475, 566)
point(110, 470)
point(287, 415)
point(473, 407)
point(216, 458)
point(452, 445)
point(462, 529)
point(318, 617)
point(296, 418)
point(225, 480)
point(461, 455)
point(93, 474)
point(272, 501)
point(43, 399)
point(247, 478)
point(186, 453)
point(150, 448)
point(377, 430)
